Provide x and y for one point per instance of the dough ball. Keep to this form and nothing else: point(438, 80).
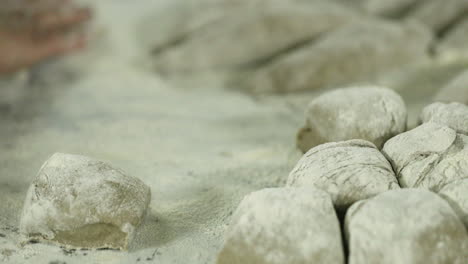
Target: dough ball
point(81, 202)
point(370, 113)
point(283, 225)
point(454, 41)
point(349, 171)
point(436, 14)
point(250, 35)
point(429, 156)
point(405, 226)
point(355, 53)
point(456, 194)
point(388, 8)
point(453, 115)
point(455, 91)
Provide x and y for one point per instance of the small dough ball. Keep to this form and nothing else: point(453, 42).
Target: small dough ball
point(370, 113)
point(405, 226)
point(243, 37)
point(388, 8)
point(349, 171)
point(429, 156)
point(455, 91)
point(456, 194)
point(284, 225)
point(453, 115)
point(453, 43)
point(438, 15)
point(355, 53)
point(81, 202)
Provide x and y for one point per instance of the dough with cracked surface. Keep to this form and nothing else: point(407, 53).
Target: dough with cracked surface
point(428, 156)
point(349, 171)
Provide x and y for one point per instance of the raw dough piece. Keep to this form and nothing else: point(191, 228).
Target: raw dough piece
point(456, 194)
point(370, 113)
point(454, 41)
point(455, 91)
point(453, 115)
point(349, 171)
point(429, 156)
point(251, 36)
point(81, 202)
point(389, 8)
point(405, 226)
point(437, 14)
point(180, 20)
point(354, 53)
point(284, 225)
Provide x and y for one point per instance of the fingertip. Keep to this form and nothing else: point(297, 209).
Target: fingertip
point(63, 45)
point(79, 44)
point(57, 20)
point(87, 12)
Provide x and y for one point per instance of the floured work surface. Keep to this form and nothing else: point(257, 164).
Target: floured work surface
point(200, 148)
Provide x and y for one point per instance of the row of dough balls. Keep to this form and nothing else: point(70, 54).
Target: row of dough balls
point(299, 225)
point(426, 222)
point(372, 113)
point(81, 202)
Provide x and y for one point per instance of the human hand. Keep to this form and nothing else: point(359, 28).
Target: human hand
point(34, 30)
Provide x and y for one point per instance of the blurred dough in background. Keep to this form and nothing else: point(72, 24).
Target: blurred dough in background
point(250, 40)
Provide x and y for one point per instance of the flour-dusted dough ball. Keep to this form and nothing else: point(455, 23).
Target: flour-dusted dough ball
point(438, 15)
point(454, 42)
point(251, 35)
point(390, 8)
point(355, 53)
point(284, 225)
point(455, 91)
point(349, 171)
point(456, 194)
point(429, 156)
point(411, 226)
point(370, 113)
point(453, 115)
point(81, 202)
